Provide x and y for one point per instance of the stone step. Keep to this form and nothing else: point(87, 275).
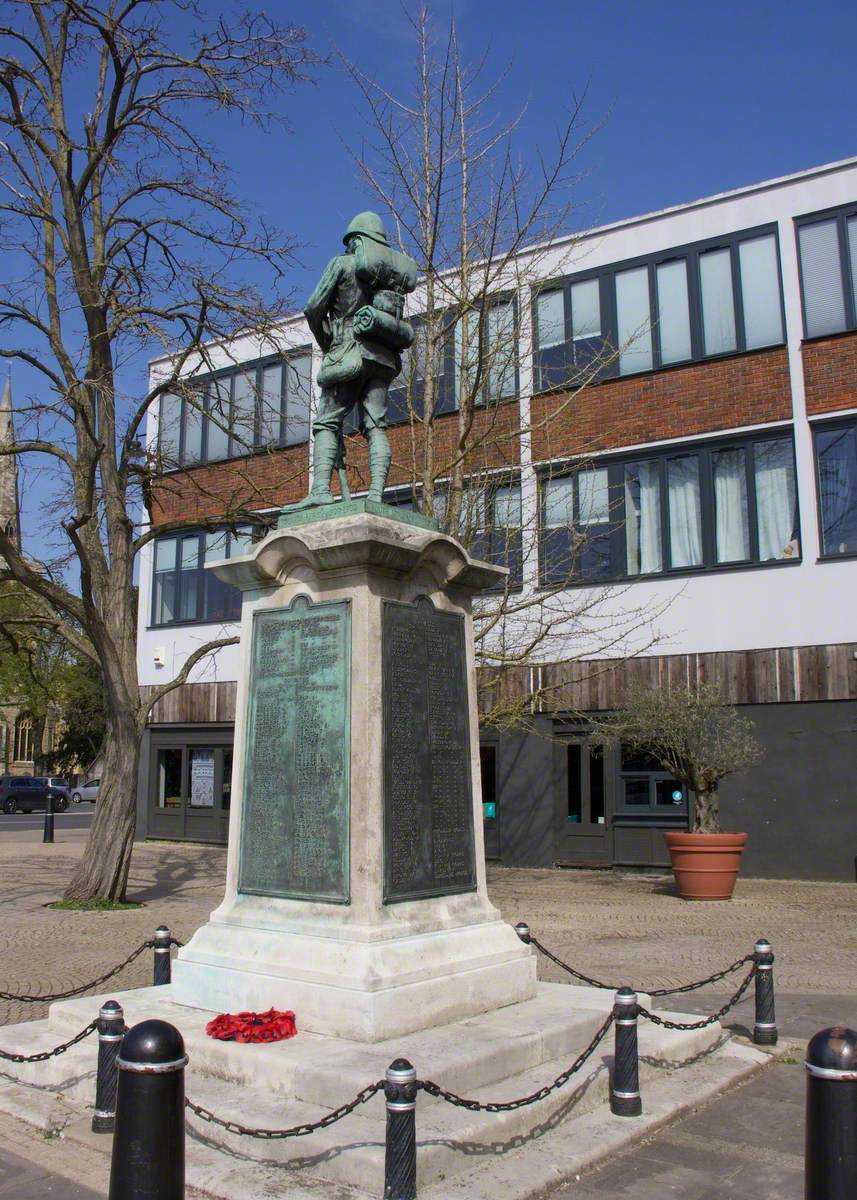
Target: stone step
point(320, 1070)
point(241, 1083)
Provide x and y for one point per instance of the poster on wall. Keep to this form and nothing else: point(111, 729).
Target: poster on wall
point(202, 778)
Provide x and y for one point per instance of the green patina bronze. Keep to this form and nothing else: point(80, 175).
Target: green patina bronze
point(295, 821)
point(349, 508)
point(356, 315)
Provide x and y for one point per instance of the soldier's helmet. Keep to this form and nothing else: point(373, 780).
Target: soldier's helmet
point(367, 224)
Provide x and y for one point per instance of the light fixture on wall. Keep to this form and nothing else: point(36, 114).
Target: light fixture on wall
point(159, 656)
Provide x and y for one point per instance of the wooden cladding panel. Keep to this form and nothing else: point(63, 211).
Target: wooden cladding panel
point(194, 703)
point(782, 676)
point(778, 676)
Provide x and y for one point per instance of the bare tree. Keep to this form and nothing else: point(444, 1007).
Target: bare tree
point(484, 224)
point(692, 733)
point(124, 236)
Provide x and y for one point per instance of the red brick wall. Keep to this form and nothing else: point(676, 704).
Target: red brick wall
point(702, 398)
point(280, 477)
point(259, 481)
point(830, 373)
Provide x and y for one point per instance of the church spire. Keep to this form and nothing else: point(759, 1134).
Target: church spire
point(10, 513)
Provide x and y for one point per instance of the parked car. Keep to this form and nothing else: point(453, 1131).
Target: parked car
point(56, 782)
point(86, 791)
point(24, 793)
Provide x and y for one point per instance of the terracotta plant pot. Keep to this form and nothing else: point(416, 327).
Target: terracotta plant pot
point(705, 865)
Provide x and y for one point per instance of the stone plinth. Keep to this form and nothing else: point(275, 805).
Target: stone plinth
point(355, 889)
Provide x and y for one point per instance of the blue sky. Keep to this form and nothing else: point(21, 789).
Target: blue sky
point(696, 99)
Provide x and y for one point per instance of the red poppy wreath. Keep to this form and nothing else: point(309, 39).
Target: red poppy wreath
point(270, 1026)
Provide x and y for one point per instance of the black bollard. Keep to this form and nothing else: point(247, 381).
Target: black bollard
point(523, 931)
point(111, 1029)
point(148, 1143)
point(830, 1169)
point(625, 1098)
point(48, 830)
point(400, 1151)
point(765, 1027)
point(163, 970)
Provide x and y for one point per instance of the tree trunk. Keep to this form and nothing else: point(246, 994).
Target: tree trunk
point(39, 726)
point(103, 869)
point(707, 813)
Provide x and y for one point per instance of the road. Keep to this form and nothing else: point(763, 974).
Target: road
point(75, 818)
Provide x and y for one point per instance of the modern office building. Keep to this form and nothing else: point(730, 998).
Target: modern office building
point(703, 485)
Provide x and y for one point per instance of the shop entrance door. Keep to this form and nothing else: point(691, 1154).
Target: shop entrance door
point(583, 832)
point(490, 805)
point(190, 792)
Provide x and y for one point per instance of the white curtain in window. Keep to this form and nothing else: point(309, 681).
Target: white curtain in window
point(500, 351)
point(298, 381)
point(593, 497)
point(731, 524)
point(643, 518)
point(718, 307)
point(673, 311)
point(821, 273)
point(169, 421)
point(685, 514)
point(775, 498)
point(559, 501)
point(507, 507)
point(550, 319)
point(634, 326)
point(760, 289)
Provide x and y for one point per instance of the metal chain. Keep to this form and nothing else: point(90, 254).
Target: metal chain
point(296, 1130)
point(434, 1089)
point(176, 942)
point(46, 1054)
point(730, 1003)
point(85, 987)
point(610, 987)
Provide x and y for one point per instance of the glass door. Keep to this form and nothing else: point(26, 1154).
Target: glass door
point(583, 832)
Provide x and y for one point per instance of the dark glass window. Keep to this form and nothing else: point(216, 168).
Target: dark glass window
point(489, 346)
point(827, 248)
point(706, 506)
point(182, 590)
point(646, 788)
point(711, 298)
point(237, 412)
point(575, 790)
point(489, 524)
point(836, 461)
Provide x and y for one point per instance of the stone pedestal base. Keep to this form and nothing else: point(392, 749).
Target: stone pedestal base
point(365, 991)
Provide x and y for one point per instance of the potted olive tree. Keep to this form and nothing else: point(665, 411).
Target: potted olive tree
point(700, 740)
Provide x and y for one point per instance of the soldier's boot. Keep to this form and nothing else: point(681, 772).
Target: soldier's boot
point(324, 453)
point(380, 455)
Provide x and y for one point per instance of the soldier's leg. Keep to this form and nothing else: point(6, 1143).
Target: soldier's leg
point(373, 423)
point(332, 410)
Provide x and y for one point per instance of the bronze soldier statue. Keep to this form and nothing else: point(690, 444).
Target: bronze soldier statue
point(356, 316)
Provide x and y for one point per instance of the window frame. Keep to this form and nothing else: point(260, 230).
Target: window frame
point(841, 214)
point(199, 572)
point(201, 385)
point(704, 448)
point(446, 399)
point(689, 253)
point(828, 426)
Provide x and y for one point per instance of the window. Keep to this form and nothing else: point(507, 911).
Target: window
point(715, 297)
point(836, 458)
point(489, 525)
point(703, 506)
point(182, 590)
point(647, 789)
point(577, 528)
point(23, 740)
point(827, 248)
point(237, 412)
point(497, 380)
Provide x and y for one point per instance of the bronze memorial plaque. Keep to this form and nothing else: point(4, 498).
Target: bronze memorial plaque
point(295, 824)
point(428, 799)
